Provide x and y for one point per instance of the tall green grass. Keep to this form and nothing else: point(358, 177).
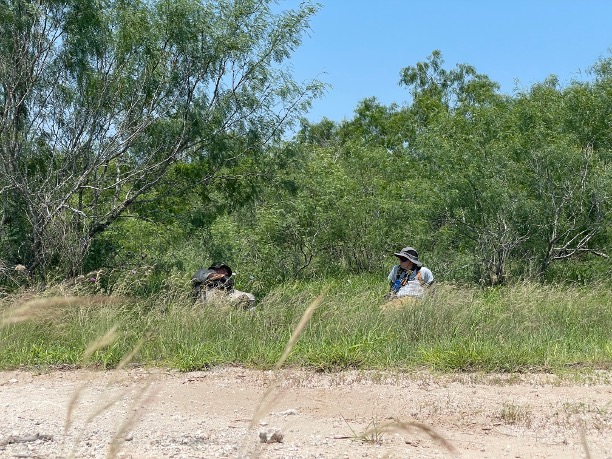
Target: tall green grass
point(525, 327)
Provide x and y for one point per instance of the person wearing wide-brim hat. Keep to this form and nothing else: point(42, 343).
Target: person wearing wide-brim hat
point(409, 277)
point(217, 283)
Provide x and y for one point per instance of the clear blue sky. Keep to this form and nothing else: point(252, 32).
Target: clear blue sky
point(360, 46)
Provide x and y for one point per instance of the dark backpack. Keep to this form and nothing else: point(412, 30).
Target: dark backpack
point(201, 276)
point(204, 279)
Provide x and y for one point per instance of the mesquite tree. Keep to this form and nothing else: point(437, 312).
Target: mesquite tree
point(100, 98)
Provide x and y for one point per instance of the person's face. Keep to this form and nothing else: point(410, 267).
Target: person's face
point(405, 263)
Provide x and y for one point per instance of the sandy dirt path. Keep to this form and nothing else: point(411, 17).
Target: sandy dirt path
point(151, 413)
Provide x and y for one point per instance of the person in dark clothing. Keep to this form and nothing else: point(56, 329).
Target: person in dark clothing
point(217, 282)
point(216, 277)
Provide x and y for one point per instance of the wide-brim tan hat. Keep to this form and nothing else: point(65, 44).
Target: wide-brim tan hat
point(411, 254)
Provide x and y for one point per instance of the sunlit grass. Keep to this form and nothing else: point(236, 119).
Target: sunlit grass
point(521, 328)
point(526, 327)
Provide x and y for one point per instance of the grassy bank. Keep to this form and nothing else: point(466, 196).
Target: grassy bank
point(526, 327)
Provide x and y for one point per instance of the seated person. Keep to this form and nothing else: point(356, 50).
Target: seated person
point(410, 277)
point(217, 282)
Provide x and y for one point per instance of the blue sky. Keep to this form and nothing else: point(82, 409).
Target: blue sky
point(360, 46)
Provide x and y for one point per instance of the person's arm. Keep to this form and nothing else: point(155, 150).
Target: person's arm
point(428, 277)
point(391, 278)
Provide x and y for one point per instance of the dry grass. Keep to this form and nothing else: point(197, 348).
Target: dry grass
point(412, 427)
point(50, 308)
point(139, 403)
point(374, 433)
point(376, 430)
point(516, 414)
point(53, 308)
point(273, 391)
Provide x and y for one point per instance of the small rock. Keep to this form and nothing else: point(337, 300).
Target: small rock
point(271, 436)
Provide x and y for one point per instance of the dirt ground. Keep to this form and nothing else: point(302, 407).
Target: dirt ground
point(239, 413)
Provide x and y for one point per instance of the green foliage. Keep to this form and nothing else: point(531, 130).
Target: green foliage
point(490, 188)
point(102, 99)
point(516, 187)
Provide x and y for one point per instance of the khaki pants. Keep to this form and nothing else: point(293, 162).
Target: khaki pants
point(397, 304)
point(244, 299)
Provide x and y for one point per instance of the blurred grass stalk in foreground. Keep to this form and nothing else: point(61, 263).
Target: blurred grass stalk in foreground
point(525, 327)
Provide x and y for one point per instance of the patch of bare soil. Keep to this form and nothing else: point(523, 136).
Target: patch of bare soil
point(240, 413)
